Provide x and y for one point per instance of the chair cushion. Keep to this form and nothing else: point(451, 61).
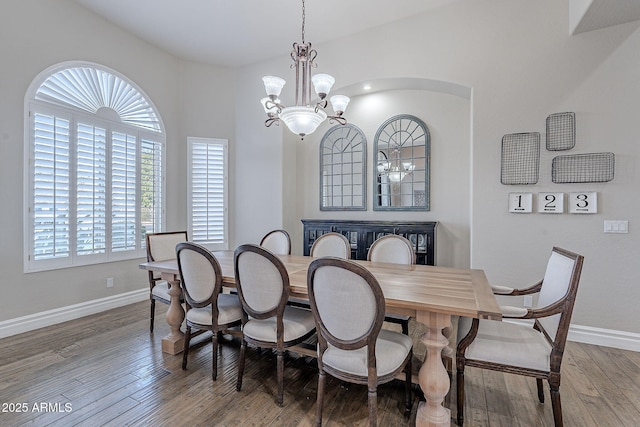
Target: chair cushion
point(229, 311)
point(507, 343)
point(297, 323)
point(392, 349)
point(161, 290)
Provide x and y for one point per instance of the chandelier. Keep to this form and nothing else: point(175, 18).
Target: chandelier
point(306, 115)
point(396, 171)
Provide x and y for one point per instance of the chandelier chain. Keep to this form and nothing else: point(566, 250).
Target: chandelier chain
point(303, 19)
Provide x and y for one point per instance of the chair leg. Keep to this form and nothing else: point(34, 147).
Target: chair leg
point(243, 350)
point(214, 367)
point(153, 315)
point(185, 351)
point(554, 385)
point(460, 395)
point(407, 388)
point(320, 398)
point(540, 390)
point(373, 407)
point(280, 357)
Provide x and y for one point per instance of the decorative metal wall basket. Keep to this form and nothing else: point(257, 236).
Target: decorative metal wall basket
point(561, 131)
point(591, 167)
point(520, 158)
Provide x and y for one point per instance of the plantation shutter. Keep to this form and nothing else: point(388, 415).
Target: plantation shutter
point(51, 202)
point(123, 192)
point(91, 190)
point(151, 188)
point(207, 191)
point(96, 169)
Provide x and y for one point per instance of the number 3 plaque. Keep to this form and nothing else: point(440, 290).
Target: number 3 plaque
point(583, 202)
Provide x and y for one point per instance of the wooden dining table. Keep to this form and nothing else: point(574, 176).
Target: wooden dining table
point(431, 294)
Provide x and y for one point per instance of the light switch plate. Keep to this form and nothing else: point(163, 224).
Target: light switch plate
point(620, 227)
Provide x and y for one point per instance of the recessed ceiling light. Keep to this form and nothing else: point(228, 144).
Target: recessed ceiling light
point(367, 86)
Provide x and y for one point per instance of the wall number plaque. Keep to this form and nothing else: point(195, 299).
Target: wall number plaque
point(520, 202)
point(583, 202)
point(551, 202)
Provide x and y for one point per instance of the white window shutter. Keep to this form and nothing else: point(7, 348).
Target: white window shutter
point(208, 192)
point(51, 198)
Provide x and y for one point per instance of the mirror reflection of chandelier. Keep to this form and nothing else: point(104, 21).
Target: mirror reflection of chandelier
point(305, 116)
point(395, 170)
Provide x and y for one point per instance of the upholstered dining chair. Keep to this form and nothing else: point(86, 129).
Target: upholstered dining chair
point(395, 249)
point(516, 348)
point(348, 307)
point(207, 308)
point(277, 241)
point(160, 247)
point(262, 282)
point(331, 244)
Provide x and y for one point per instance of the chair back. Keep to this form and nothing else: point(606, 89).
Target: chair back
point(331, 244)
point(262, 281)
point(558, 292)
point(162, 246)
point(200, 274)
point(347, 303)
point(392, 248)
point(277, 241)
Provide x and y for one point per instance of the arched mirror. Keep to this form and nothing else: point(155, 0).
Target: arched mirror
point(401, 155)
point(343, 157)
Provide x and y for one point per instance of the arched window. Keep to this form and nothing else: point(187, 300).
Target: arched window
point(95, 166)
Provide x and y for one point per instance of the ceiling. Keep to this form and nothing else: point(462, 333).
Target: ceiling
point(239, 32)
point(234, 33)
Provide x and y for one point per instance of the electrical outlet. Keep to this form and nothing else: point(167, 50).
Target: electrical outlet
point(109, 282)
point(527, 301)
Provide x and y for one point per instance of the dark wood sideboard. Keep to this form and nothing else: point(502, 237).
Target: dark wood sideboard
point(362, 233)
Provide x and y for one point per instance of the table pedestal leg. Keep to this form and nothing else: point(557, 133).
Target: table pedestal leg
point(174, 342)
point(433, 377)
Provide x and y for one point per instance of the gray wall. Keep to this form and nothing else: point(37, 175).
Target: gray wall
point(520, 64)
point(37, 34)
point(517, 60)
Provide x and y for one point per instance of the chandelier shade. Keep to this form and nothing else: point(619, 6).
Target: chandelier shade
point(307, 114)
point(302, 120)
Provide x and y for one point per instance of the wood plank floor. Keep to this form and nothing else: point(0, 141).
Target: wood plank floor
point(107, 369)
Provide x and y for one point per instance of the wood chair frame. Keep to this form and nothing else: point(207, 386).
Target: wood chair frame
point(280, 344)
point(369, 340)
point(332, 235)
point(564, 307)
point(274, 232)
point(215, 328)
point(152, 278)
point(401, 320)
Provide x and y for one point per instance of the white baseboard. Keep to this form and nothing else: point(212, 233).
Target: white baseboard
point(51, 317)
point(598, 336)
point(605, 337)
point(584, 334)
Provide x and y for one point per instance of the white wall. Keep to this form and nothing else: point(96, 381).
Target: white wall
point(516, 56)
point(36, 34)
point(522, 65)
point(447, 117)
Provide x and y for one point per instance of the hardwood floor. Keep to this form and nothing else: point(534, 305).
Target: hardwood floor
point(108, 370)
